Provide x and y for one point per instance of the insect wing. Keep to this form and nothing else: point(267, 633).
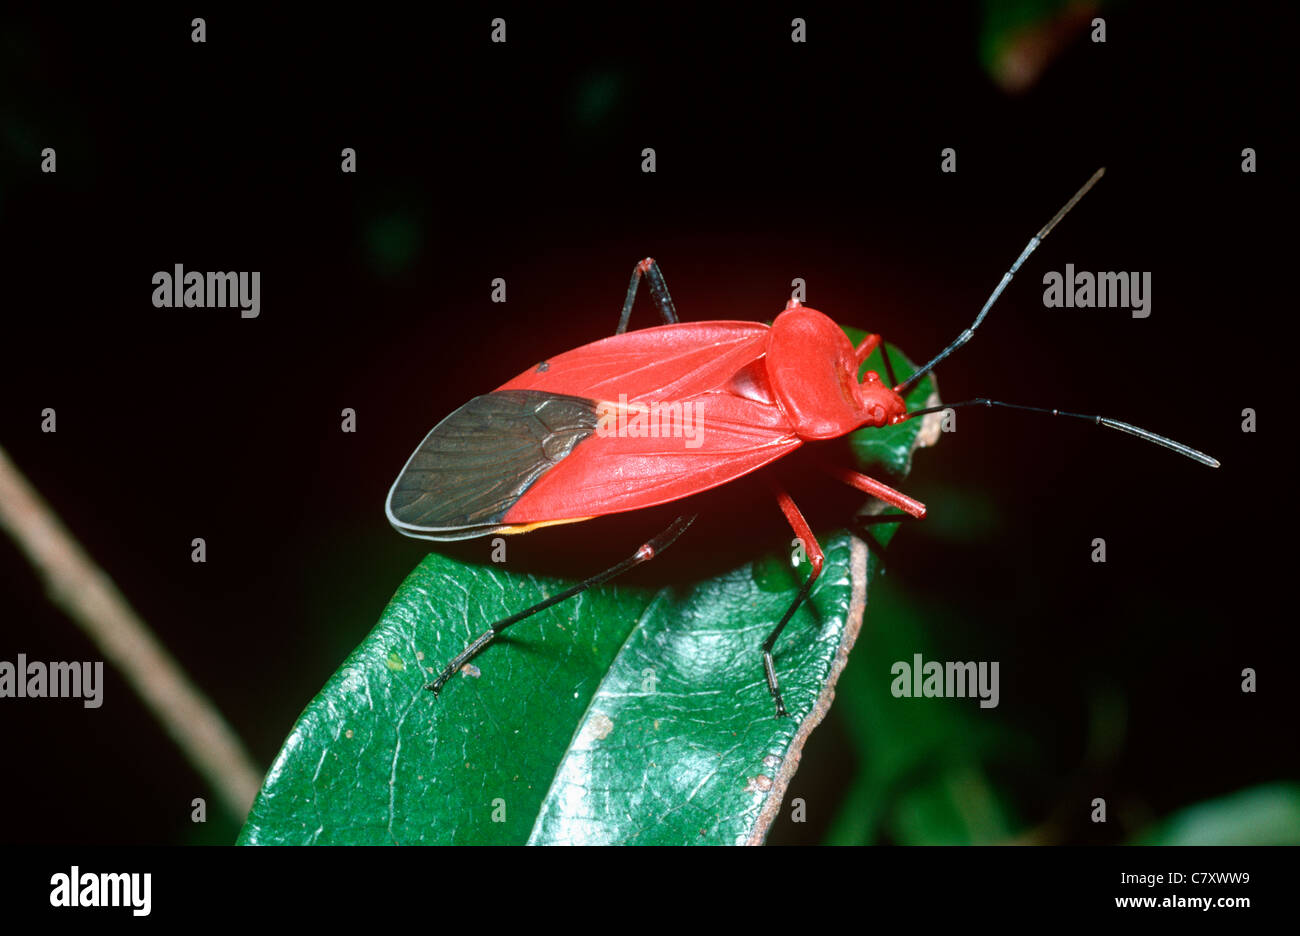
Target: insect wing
point(475, 464)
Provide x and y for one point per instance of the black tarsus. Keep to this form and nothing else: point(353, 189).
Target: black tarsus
point(645, 553)
point(658, 293)
point(769, 668)
point(889, 365)
point(862, 522)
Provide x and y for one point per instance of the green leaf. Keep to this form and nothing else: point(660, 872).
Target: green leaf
point(624, 715)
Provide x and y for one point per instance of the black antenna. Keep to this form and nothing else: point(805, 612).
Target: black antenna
point(1037, 239)
point(1099, 420)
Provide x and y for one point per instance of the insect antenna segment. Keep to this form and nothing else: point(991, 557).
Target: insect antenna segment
point(1131, 429)
point(903, 388)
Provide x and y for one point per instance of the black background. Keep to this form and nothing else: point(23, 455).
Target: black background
point(775, 160)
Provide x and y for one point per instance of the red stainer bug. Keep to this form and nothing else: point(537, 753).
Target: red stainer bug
point(648, 417)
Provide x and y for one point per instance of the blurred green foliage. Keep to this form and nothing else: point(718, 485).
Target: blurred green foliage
point(1262, 815)
point(921, 777)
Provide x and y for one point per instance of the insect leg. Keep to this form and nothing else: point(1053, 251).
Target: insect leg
point(889, 365)
point(864, 523)
point(658, 292)
point(648, 551)
point(865, 347)
point(815, 555)
point(876, 489)
point(869, 344)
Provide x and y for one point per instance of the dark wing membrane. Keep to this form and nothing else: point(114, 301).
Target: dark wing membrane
point(479, 461)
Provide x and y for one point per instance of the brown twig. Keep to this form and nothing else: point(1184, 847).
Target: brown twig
point(89, 597)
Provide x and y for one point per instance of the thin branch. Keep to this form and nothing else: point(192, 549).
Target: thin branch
point(86, 593)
